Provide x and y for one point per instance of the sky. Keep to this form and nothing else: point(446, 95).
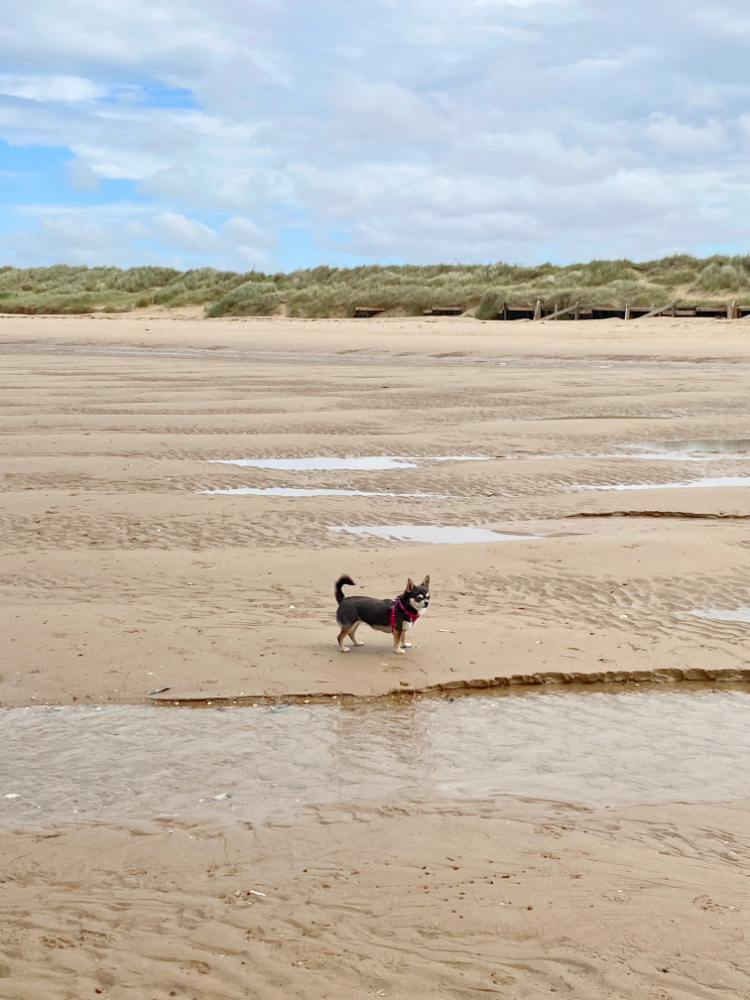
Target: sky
point(283, 134)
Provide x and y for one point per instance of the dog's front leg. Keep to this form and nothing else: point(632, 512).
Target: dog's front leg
point(397, 637)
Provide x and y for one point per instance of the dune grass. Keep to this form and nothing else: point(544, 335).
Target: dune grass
point(404, 290)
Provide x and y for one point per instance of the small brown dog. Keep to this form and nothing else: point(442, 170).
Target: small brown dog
point(396, 616)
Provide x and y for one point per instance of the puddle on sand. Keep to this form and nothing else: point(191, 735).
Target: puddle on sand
point(123, 762)
point(665, 456)
point(288, 491)
point(614, 416)
point(431, 534)
point(703, 447)
point(323, 463)
point(711, 481)
point(737, 615)
point(691, 451)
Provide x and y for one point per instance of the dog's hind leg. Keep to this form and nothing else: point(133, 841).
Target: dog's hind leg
point(340, 639)
point(352, 630)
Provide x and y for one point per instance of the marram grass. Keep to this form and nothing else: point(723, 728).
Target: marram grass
point(480, 289)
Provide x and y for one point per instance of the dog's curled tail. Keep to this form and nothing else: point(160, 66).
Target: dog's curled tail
point(343, 581)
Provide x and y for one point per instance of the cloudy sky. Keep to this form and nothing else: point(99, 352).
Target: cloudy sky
point(288, 133)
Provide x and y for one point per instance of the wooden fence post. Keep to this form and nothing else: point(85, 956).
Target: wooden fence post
point(657, 311)
point(627, 310)
point(538, 309)
point(560, 312)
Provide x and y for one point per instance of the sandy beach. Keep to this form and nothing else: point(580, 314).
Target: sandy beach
point(503, 899)
point(146, 579)
point(609, 458)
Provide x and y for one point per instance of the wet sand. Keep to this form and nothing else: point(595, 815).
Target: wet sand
point(143, 580)
point(119, 576)
point(412, 898)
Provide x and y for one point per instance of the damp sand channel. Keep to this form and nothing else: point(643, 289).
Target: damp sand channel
point(291, 491)
point(736, 615)
point(695, 450)
point(116, 763)
point(709, 482)
point(363, 463)
point(432, 534)
point(324, 463)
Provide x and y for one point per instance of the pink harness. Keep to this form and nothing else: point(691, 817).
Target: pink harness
point(408, 613)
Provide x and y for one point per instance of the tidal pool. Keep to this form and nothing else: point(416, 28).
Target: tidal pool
point(117, 763)
point(290, 491)
point(741, 615)
point(705, 483)
point(687, 451)
point(324, 463)
point(432, 534)
point(698, 450)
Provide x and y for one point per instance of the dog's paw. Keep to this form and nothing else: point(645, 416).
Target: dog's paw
point(406, 645)
point(358, 643)
point(399, 650)
point(344, 649)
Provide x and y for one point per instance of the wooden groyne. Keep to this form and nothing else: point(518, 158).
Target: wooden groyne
point(510, 312)
point(626, 312)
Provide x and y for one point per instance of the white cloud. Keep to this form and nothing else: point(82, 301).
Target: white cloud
point(246, 232)
point(382, 112)
point(126, 234)
point(186, 235)
point(109, 34)
point(680, 138)
point(420, 128)
point(55, 87)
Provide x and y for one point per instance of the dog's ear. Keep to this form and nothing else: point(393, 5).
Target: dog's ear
point(426, 582)
point(410, 584)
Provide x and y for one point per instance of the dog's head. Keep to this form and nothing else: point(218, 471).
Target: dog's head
point(418, 597)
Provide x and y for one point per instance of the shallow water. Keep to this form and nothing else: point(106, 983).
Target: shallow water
point(289, 491)
point(737, 615)
point(675, 456)
point(323, 463)
point(708, 482)
point(614, 416)
point(710, 450)
point(431, 534)
point(706, 447)
point(116, 763)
